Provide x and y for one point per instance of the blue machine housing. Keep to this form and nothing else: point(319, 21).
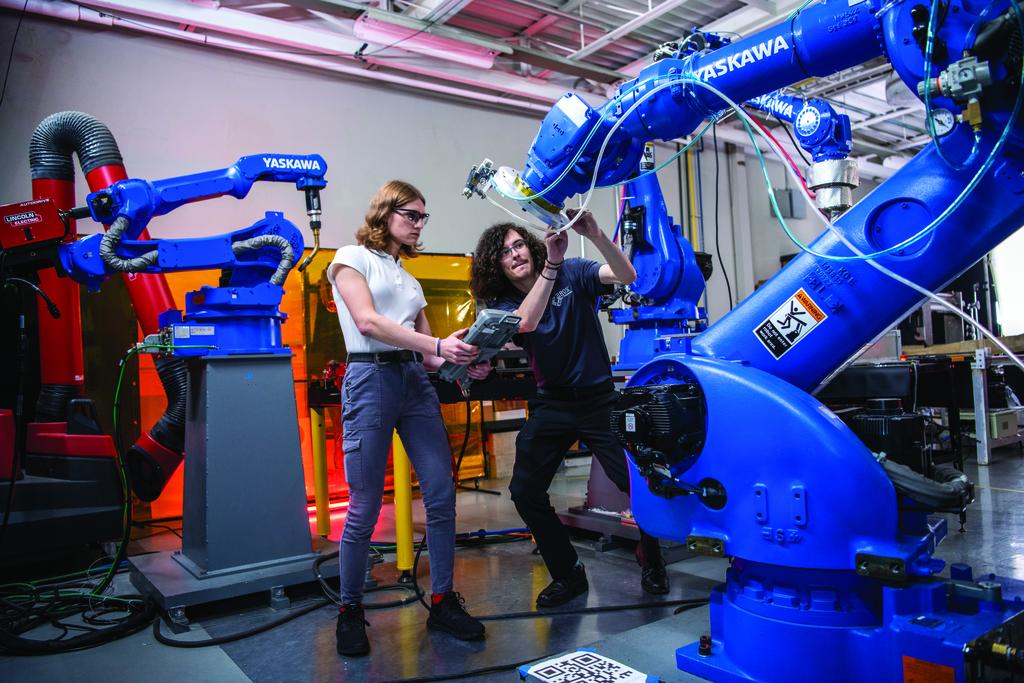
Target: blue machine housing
point(668, 278)
point(913, 633)
point(243, 317)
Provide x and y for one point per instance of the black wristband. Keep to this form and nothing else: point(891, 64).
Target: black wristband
point(556, 266)
point(551, 279)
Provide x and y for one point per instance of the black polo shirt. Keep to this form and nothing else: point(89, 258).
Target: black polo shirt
point(567, 347)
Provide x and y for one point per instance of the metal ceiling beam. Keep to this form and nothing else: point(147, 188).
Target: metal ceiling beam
point(435, 11)
point(751, 19)
point(552, 62)
point(410, 22)
point(764, 5)
point(881, 117)
point(534, 57)
point(845, 80)
point(628, 27)
point(914, 142)
point(541, 24)
point(556, 14)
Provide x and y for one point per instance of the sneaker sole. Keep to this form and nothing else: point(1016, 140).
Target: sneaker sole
point(434, 626)
point(354, 653)
point(575, 594)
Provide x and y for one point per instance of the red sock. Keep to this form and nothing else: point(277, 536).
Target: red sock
point(436, 597)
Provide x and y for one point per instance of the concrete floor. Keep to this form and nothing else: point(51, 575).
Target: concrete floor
point(494, 580)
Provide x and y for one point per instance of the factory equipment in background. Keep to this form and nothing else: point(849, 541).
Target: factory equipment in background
point(240, 427)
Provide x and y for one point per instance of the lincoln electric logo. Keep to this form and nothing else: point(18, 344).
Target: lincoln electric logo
point(19, 219)
point(556, 299)
point(292, 164)
point(741, 59)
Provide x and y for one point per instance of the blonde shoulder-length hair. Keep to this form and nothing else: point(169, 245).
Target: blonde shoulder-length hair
point(374, 232)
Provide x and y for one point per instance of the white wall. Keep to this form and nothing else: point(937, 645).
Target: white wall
point(176, 109)
point(771, 241)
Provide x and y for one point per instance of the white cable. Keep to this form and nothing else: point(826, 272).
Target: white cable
point(790, 169)
point(519, 218)
point(882, 269)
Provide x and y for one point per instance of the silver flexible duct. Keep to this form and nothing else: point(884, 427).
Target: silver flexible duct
point(111, 239)
point(287, 253)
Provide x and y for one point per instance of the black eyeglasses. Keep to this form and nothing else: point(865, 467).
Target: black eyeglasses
point(507, 251)
point(414, 216)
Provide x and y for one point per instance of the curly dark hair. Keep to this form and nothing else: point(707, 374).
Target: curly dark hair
point(487, 279)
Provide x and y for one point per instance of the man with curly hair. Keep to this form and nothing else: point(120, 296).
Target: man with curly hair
point(557, 300)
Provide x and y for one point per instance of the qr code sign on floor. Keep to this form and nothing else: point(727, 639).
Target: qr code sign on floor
point(584, 667)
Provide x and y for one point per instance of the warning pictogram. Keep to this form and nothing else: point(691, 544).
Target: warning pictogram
point(789, 323)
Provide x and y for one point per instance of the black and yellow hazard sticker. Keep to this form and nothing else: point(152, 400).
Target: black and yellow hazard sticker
point(789, 324)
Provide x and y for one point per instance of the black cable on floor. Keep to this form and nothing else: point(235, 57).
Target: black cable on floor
point(209, 642)
point(22, 613)
point(420, 592)
point(728, 287)
point(539, 614)
point(331, 593)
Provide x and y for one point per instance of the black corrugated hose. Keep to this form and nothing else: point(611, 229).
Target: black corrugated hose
point(49, 156)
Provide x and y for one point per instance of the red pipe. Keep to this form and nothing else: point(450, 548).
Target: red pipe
point(149, 292)
point(60, 340)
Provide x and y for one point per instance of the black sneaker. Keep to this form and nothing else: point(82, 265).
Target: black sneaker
point(451, 616)
point(562, 591)
point(351, 630)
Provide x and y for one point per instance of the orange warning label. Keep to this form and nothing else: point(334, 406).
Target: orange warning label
point(789, 324)
point(809, 305)
point(920, 671)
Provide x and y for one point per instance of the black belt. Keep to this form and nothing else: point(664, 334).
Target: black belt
point(381, 357)
point(572, 393)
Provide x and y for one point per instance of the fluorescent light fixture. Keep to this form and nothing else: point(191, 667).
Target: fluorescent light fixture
point(401, 38)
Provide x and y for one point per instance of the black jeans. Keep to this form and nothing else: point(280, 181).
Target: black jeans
point(552, 427)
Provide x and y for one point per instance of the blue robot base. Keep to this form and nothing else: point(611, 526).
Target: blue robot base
point(922, 635)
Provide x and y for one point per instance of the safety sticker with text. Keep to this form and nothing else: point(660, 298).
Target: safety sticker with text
point(789, 324)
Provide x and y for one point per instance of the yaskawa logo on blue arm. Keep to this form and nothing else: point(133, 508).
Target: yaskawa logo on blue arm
point(292, 164)
point(741, 59)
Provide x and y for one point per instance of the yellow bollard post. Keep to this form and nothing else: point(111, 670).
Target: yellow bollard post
point(318, 441)
point(403, 506)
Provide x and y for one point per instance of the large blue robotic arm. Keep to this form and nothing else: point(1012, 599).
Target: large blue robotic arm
point(832, 544)
point(577, 143)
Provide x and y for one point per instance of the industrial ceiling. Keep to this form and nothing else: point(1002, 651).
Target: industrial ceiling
point(521, 54)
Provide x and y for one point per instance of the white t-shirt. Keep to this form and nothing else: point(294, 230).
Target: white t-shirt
point(396, 294)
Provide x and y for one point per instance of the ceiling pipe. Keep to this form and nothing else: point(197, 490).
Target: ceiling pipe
point(510, 85)
point(390, 35)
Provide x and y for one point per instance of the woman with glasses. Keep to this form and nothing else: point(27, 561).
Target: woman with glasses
point(380, 307)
